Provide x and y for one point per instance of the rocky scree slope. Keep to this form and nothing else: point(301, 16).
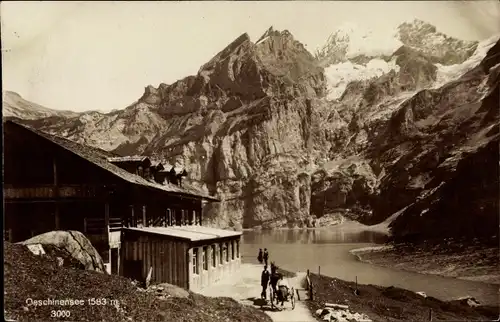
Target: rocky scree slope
point(256, 127)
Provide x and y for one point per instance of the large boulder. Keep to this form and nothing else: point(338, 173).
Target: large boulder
point(73, 243)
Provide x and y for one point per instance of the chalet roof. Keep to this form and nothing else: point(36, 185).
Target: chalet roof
point(100, 157)
point(191, 233)
point(168, 167)
point(129, 158)
point(157, 164)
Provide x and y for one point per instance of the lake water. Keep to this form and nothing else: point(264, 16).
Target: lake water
point(302, 249)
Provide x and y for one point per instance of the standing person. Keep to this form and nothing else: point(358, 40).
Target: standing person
point(259, 257)
point(264, 281)
point(266, 256)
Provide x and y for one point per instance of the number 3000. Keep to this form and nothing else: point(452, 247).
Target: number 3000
point(60, 314)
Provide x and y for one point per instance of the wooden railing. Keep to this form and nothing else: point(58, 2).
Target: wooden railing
point(96, 226)
point(51, 191)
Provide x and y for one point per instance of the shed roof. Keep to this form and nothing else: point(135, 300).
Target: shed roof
point(100, 157)
point(191, 233)
point(128, 158)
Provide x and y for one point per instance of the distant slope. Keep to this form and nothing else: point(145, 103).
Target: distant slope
point(16, 106)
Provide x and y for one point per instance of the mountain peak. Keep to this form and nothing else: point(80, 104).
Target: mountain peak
point(268, 33)
point(440, 47)
point(349, 41)
point(271, 32)
point(14, 105)
point(11, 93)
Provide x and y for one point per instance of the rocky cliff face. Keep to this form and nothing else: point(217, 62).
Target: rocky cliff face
point(284, 137)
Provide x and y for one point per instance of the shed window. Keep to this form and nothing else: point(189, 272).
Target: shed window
point(221, 253)
point(214, 261)
point(205, 258)
point(195, 261)
point(225, 252)
point(140, 171)
point(232, 250)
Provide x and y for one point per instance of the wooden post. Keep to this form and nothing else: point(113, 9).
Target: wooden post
point(56, 194)
point(356, 291)
point(144, 223)
point(430, 314)
point(106, 217)
point(132, 223)
point(118, 260)
point(319, 270)
point(56, 214)
point(106, 233)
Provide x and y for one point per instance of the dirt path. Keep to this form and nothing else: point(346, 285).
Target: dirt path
point(244, 286)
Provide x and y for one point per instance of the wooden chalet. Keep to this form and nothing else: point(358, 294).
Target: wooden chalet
point(51, 183)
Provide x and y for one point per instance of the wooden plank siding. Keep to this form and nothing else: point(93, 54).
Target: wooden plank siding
point(167, 257)
point(171, 258)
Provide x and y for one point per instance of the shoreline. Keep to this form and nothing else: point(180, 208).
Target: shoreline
point(381, 228)
point(440, 262)
point(448, 259)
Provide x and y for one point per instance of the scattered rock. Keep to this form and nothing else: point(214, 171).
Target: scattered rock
point(341, 313)
point(36, 249)
point(422, 294)
point(336, 306)
point(468, 300)
point(166, 290)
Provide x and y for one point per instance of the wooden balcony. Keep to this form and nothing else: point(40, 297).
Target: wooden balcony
point(52, 191)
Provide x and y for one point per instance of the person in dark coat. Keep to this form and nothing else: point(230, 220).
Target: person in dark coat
point(266, 256)
point(264, 281)
point(259, 257)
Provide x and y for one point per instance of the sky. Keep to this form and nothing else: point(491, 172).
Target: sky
point(101, 55)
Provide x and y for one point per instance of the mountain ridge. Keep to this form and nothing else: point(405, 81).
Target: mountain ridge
point(258, 126)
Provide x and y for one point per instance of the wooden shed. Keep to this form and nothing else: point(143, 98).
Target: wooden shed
point(191, 257)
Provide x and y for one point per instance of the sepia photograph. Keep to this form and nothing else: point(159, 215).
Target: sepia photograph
point(251, 161)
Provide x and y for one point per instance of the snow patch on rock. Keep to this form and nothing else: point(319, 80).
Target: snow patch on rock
point(340, 75)
point(350, 41)
point(450, 73)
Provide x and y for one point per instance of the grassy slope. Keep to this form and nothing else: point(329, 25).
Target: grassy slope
point(29, 276)
point(391, 304)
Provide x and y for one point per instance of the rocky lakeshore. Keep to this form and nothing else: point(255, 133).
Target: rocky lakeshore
point(471, 261)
